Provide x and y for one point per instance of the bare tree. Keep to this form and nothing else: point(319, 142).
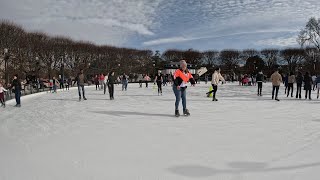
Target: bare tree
point(293, 57)
point(211, 58)
point(230, 58)
point(310, 35)
point(270, 57)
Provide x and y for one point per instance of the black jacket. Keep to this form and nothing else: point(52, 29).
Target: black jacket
point(111, 79)
point(260, 78)
point(16, 84)
point(299, 79)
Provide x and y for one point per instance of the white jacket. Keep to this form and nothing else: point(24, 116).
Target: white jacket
point(2, 89)
point(216, 77)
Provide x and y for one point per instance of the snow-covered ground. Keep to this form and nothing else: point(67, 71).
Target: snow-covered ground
point(136, 137)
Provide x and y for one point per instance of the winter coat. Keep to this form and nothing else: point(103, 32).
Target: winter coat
point(260, 77)
point(299, 79)
point(16, 85)
point(183, 77)
point(216, 77)
point(111, 79)
point(2, 89)
point(276, 79)
point(307, 82)
point(80, 79)
point(317, 81)
point(291, 79)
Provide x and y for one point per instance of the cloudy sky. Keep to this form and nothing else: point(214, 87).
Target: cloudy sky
point(163, 24)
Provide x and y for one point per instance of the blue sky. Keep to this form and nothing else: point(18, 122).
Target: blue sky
point(164, 24)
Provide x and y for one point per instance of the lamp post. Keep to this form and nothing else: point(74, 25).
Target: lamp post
point(6, 58)
point(37, 76)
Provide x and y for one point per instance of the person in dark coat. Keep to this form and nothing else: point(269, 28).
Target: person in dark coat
point(299, 81)
point(307, 85)
point(111, 82)
point(16, 88)
point(260, 80)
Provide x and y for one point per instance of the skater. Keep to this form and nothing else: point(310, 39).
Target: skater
point(216, 77)
point(147, 79)
point(96, 82)
point(260, 80)
point(181, 77)
point(307, 85)
point(206, 79)
point(111, 82)
point(55, 83)
point(314, 77)
point(2, 91)
point(81, 79)
point(61, 83)
point(291, 81)
point(16, 88)
point(105, 83)
point(285, 82)
point(299, 81)
point(68, 82)
point(318, 85)
point(158, 80)
point(101, 80)
point(276, 79)
point(124, 81)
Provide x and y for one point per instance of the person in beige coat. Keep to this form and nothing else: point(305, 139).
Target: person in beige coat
point(216, 77)
point(291, 81)
point(276, 80)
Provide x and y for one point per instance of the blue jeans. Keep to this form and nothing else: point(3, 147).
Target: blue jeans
point(124, 85)
point(180, 94)
point(81, 87)
point(17, 94)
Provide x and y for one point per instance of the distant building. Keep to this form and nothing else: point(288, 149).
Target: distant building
point(173, 66)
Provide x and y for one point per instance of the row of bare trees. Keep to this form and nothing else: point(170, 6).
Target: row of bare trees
point(45, 56)
point(267, 59)
point(38, 53)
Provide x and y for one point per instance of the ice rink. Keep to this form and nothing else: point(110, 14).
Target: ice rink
point(137, 137)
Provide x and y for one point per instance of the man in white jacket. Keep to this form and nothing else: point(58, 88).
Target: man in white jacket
point(216, 77)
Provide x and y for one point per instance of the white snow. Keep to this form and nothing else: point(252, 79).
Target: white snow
point(54, 137)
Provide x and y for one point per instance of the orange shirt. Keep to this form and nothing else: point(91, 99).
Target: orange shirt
point(184, 76)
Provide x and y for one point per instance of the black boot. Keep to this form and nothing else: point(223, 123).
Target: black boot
point(177, 114)
point(186, 112)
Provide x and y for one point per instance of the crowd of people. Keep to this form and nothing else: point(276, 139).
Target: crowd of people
point(179, 79)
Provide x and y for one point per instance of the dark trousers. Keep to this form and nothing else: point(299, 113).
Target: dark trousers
point(314, 85)
point(159, 86)
point(308, 93)
point(299, 86)
point(104, 88)
point(214, 90)
point(61, 86)
point(67, 87)
point(17, 94)
point(259, 88)
point(111, 90)
point(290, 87)
point(146, 84)
point(81, 87)
point(275, 91)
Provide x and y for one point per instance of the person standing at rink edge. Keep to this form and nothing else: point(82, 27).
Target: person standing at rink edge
point(276, 80)
point(181, 77)
point(260, 80)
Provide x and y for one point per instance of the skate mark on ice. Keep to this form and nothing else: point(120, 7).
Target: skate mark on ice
point(126, 113)
point(236, 168)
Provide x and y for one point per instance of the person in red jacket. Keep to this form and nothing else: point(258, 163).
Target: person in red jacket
point(181, 78)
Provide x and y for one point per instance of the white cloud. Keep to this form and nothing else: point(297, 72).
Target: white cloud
point(279, 42)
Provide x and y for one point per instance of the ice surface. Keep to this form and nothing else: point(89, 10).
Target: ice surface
point(137, 137)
